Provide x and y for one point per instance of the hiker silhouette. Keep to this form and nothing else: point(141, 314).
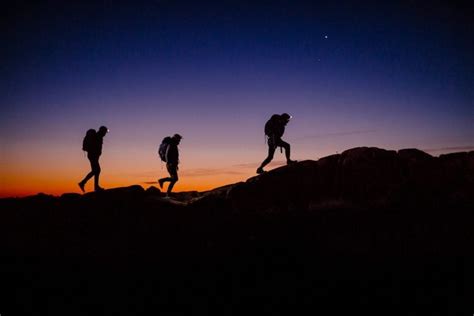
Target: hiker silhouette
point(92, 144)
point(274, 130)
point(169, 153)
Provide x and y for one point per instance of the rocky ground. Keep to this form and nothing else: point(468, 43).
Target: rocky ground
point(362, 227)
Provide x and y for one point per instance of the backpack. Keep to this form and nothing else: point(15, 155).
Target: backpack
point(271, 125)
point(89, 140)
point(164, 148)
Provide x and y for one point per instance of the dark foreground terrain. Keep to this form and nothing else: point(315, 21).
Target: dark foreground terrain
point(382, 229)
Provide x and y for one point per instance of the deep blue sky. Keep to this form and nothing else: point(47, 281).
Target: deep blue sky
point(391, 75)
point(414, 44)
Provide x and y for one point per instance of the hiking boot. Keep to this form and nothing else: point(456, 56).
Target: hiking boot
point(99, 189)
point(160, 182)
point(81, 185)
point(290, 162)
point(260, 170)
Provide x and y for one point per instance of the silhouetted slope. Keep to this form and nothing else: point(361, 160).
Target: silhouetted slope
point(368, 177)
point(373, 199)
point(289, 227)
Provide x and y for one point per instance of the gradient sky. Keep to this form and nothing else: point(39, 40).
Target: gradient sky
point(392, 75)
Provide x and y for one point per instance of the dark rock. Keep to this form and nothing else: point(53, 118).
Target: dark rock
point(116, 196)
point(70, 199)
point(133, 189)
point(361, 184)
point(185, 196)
point(70, 196)
point(457, 173)
point(367, 173)
point(152, 190)
point(414, 155)
point(390, 209)
point(40, 198)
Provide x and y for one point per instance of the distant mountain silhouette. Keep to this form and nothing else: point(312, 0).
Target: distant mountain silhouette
point(392, 209)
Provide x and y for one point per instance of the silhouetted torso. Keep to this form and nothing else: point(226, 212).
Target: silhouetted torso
point(172, 153)
point(96, 148)
point(279, 129)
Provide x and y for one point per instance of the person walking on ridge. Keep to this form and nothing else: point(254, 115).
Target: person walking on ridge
point(92, 144)
point(274, 130)
point(169, 153)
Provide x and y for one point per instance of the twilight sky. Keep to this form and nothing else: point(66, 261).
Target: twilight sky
point(392, 75)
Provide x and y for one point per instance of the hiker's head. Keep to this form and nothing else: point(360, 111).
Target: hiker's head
point(102, 131)
point(285, 117)
point(177, 138)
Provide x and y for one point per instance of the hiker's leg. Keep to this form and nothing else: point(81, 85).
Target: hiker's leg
point(271, 153)
point(287, 147)
point(88, 176)
point(96, 170)
point(170, 187)
point(173, 170)
point(92, 172)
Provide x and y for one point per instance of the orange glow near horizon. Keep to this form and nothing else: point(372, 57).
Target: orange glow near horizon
point(54, 163)
point(18, 188)
point(25, 178)
point(19, 180)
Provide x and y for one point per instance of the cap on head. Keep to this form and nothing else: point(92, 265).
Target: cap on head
point(286, 116)
point(103, 130)
point(177, 136)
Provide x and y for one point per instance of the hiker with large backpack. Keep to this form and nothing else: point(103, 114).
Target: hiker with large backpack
point(274, 130)
point(92, 144)
point(169, 153)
